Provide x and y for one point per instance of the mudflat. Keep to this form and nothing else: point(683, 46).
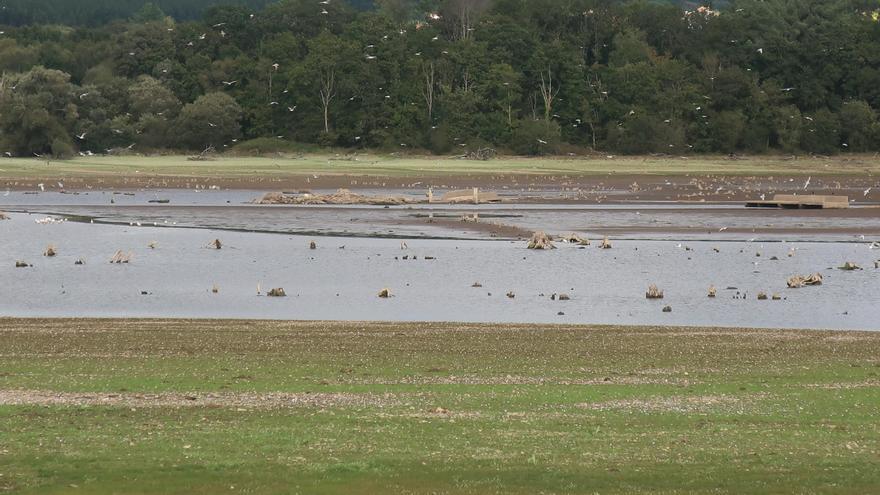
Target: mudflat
point(591, 178)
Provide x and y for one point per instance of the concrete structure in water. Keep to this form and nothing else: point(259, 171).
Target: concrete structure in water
point(809, 201)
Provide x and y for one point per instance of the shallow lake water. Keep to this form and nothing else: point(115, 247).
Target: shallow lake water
point(234, 210)
point(332, 283)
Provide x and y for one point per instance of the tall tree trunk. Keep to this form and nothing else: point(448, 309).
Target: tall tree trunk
point(428, 90)
point(533, 105)
point(465, 18)
point(548, 93)
point(328, 83)
point(593, 134)
point(465, 13)
point(509, 110)
point(269, 91)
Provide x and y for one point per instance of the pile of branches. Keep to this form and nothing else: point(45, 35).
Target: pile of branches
point(206, 155)
point(481, 154)
point(798, 281)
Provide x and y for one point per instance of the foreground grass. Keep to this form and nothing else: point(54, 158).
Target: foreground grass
point(144, 406)
point(232, 168)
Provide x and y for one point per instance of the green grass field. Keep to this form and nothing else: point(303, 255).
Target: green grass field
point(388, 166)
point(152, 406)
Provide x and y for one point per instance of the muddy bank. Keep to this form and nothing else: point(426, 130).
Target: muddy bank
point(519, 187)
point(469, 224)
point(233, 210)
point(340, 197)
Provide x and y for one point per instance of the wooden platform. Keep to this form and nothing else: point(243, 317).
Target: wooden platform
point(474, 195)
point(809, 201)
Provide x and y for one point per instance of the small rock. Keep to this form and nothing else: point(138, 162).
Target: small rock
point(667, 309)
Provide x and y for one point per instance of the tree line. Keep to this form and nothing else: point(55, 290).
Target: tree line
point(448, 76)
point(98, 12)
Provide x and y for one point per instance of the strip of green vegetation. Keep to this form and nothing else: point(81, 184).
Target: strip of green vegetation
point(389, 166)
point(153, 406)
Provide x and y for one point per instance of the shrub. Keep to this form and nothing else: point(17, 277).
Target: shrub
point(535, 137)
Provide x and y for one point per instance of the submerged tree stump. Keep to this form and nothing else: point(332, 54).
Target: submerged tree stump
point(541, 240)
point(653, 292)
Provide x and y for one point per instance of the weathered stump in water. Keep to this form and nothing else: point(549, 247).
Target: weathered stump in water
point(541, 240)
point(798, 281)
point(576, 239)
point(849, 266)
point(120, 258)
point(653, 292)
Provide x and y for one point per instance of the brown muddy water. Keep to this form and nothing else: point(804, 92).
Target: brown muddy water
point(677, 247)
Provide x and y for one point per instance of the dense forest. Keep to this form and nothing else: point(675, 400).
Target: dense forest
point(97, 12)
point(444, 76)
